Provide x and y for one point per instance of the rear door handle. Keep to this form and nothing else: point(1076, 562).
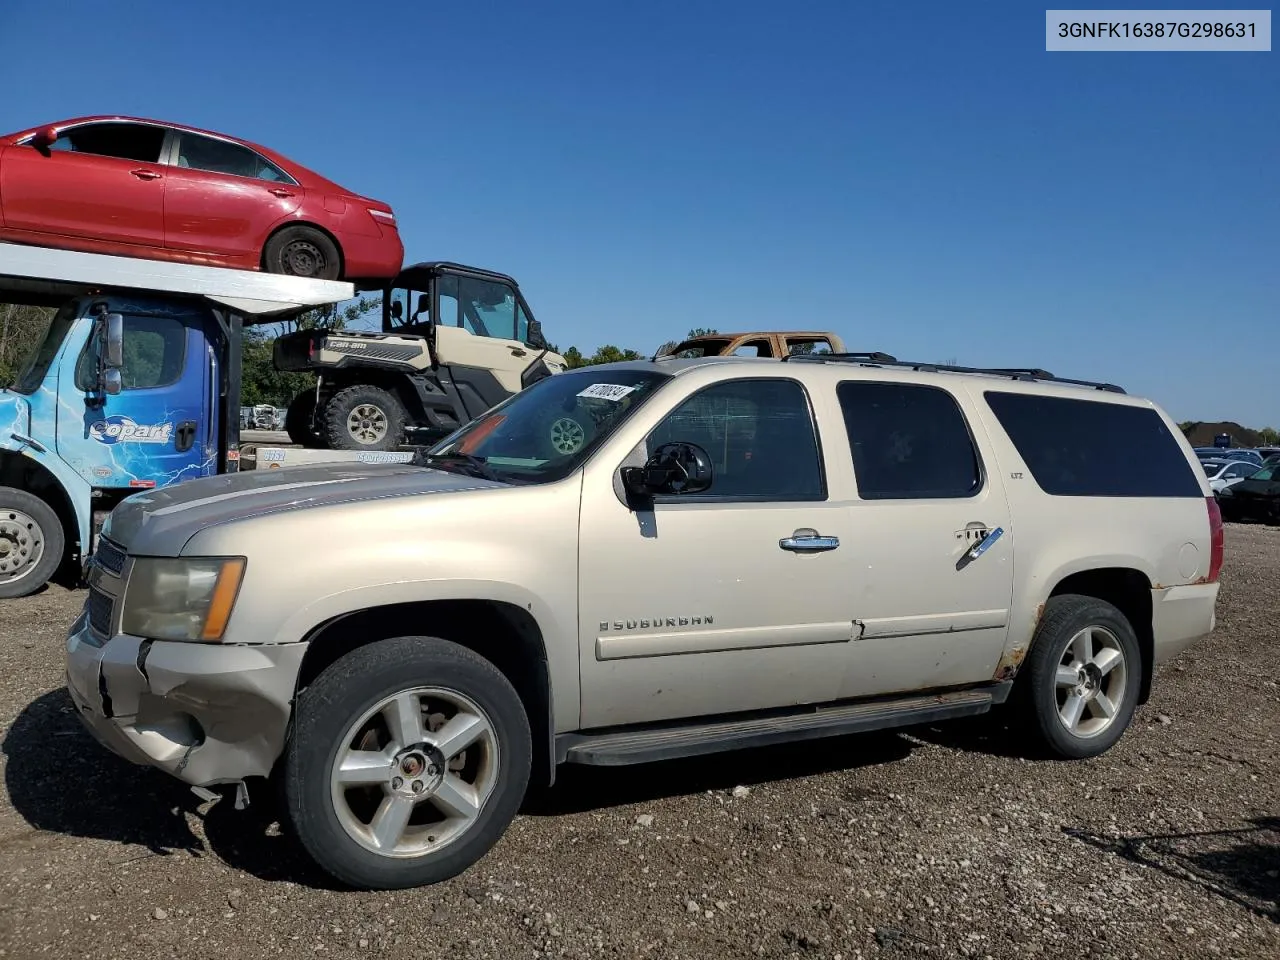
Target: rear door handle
point(280, 192)
point(517, 352)
point(808, 541)
point(146, 174)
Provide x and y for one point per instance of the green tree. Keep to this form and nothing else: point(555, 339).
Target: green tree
point(22, 328)
point(1270, 436)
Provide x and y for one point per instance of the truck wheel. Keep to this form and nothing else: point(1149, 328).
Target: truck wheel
point(408, 759)
point(298, 419)
point(31, 543)
point(363, 418)
point(1084, 673)
point(302, 252)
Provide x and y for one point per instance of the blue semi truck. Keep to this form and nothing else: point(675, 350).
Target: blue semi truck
point(135, 385)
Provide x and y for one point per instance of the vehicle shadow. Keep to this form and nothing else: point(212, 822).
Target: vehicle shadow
point(1238, 865)
point(47, 750)
point(136, 806)
point(999, 733)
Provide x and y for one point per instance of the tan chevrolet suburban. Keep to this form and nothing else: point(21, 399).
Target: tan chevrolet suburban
point(639, 561)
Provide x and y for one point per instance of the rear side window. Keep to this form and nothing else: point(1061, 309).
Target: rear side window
point(909, 442)
point(1091, 448)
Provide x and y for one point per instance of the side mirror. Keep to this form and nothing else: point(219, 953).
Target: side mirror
point(44, 138)
point(674, 469)
point(111, 381)
point(536, 339)
point(113, 341)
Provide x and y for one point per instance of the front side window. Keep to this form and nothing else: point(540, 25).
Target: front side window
point(218, 156)
point(544, 432)
point(909, 442)
point(759, 435)
point(488, 308)
point(155, 349)
point(139, 142)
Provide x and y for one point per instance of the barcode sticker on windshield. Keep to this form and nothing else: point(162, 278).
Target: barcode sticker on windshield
point(605, 391)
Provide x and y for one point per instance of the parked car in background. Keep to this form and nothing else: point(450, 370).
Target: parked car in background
point(147, 188)
point(1223, 473)
point(1236, 453)
point(1256, 497)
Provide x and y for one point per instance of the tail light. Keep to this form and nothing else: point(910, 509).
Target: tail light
point(1215, 539)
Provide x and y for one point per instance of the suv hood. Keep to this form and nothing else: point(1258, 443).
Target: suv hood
point(160, 521)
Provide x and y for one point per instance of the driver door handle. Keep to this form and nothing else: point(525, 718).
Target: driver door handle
point(807, 540)
point(145, 174)
point(519, 352)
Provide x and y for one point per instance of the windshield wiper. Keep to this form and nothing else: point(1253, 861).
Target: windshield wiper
point(478, 466)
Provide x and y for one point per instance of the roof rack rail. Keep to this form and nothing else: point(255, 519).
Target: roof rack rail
point(1016, 373)
point(873, 357)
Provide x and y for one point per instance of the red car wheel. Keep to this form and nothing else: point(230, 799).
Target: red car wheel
point(302, 252)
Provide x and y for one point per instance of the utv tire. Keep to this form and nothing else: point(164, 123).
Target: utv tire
point(375, 787)
point(31, 543)
point(363, 417)
point(1083, 676)
point(302, 252)
point(298, 419)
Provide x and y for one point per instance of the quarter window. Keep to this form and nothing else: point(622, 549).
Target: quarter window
point(759, 435)
point(1094, 448)
point(908, 441)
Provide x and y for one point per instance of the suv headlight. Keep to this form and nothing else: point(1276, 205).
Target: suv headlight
point(182, 598)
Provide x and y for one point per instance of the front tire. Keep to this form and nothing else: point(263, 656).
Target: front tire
point(1084, 675)
point(408, 760)
point(31, 543)
point(302, 252)
point(363, 417)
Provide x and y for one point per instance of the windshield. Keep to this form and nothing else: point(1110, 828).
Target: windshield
point(37, 366)
point(1266, 473)
point(1212, 467)
point(545, 432)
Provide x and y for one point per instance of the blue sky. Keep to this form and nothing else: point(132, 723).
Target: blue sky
point(922, 178)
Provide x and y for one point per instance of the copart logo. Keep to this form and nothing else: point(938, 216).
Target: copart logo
point(120, 429)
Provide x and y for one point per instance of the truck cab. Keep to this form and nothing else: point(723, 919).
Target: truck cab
point(135, 385)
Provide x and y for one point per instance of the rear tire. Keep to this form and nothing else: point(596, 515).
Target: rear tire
point(1084, 673)
point(432, 807)
point(31, 543)
point(363, 417)
point(299, 419)
point(302, 252)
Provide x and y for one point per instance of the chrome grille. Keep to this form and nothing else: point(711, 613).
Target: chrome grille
point(100, 608)
point(109, 556)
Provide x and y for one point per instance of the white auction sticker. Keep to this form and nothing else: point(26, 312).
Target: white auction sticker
point(605, 391)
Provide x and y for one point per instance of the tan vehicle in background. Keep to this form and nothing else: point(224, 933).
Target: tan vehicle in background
point(742, 552)
point(760, 343)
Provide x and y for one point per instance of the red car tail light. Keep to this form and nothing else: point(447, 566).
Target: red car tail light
point(383, 217)
point(1216, 548)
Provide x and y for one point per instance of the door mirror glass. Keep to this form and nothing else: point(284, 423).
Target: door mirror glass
point(111, 381)
point(674, 469)
point(113, 341)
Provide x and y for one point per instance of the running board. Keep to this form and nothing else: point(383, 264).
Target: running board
point(652, 743)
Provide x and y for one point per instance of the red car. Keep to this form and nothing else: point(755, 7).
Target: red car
point(146, 188)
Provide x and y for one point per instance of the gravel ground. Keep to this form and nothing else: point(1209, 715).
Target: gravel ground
point(938, 842)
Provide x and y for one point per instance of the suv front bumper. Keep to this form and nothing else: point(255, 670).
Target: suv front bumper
point(204, 713)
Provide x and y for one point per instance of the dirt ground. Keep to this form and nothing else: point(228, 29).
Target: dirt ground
point(935, 842)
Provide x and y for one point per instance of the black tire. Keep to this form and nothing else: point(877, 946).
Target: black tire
point(1065, 616)
point(339, 697)
point(338, 411)
point(298, 419)
point(29, 527)
point(302, 252)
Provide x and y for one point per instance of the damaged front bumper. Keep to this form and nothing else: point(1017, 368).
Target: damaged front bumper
point(204, 713)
